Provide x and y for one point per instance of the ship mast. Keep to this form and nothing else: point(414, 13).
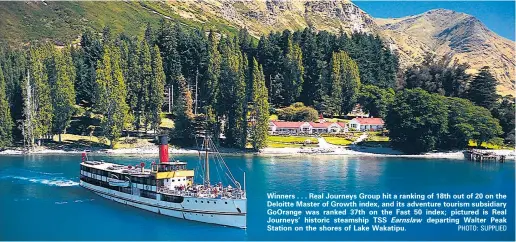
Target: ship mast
point(206, 161)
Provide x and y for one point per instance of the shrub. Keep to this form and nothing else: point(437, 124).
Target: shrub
point(298, 112)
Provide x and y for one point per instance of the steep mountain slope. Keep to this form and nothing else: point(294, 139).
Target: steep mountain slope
point(22, 23)
point(443, 32)
point(262, 17)
point(456, 35)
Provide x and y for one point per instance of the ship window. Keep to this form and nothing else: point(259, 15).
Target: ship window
point(226, 202)
point(215, 202)
point(202, 201)
point(208, 201)
point(188, 200)
point(195, 200)
point(173, 180)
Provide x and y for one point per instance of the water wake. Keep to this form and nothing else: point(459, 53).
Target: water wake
point(45, 173)
point(74, 201)
point(56, 181)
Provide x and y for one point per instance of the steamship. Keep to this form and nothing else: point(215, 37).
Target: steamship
point(168, 187)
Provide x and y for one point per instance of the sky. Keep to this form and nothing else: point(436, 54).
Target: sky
point(497, 16)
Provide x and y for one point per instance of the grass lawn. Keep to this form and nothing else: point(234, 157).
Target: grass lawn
point(287, 145)
point(338, 141)
point(377, 138)
point(290, 141)
point(93, 141)
point(486, 145)
point(73, 138)
point(138, 143)
point(333, 120)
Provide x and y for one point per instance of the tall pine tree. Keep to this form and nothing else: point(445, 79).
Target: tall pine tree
point(111, 93)
point(293, 71)
point(350, 79)
point(334, 98)
point(133, 81)
point(167, 43)
point(232, 93)
point(41, 93)
point(62, 90)
point(155, 90)
point(259, 108)
point(184, 132)
point(343, 86)
point(210, 90)
point(312, 88)
point(91, 52)
point(6, 123)
point(145, 80)
point(482, 89)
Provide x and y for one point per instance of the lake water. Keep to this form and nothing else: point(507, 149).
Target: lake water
point(41, 200)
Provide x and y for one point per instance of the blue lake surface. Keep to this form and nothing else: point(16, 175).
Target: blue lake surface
point(41, 200)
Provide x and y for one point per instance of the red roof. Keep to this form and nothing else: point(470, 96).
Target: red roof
point(341, 124)
point(320, 125)
point(281, 124)
point(369, 121)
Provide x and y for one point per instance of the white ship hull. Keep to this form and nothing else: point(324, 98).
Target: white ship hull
point(227, 212)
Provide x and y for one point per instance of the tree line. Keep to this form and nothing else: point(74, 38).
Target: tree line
point(227, 83)
point(441, 106)
point(121, 80)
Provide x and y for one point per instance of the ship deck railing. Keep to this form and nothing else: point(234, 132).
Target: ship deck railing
point(224, 194)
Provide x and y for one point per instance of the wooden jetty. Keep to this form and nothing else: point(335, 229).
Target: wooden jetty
point(482, 156)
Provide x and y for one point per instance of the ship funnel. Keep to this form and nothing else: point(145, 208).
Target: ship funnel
point(163, 148)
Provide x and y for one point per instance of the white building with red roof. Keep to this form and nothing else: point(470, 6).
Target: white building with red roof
point(325, 127)
point(366, 124)
point(282, 127)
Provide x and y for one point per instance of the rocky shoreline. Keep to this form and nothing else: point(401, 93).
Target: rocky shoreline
point(345, 151)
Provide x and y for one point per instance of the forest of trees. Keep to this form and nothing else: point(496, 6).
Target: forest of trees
point(440, 106)
point(114, 85)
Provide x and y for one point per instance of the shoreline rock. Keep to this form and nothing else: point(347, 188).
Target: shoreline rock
point(343, 151)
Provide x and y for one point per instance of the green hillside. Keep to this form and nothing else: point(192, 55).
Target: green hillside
point(25, 22)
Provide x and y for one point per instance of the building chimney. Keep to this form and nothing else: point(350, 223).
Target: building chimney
point(163, 148)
